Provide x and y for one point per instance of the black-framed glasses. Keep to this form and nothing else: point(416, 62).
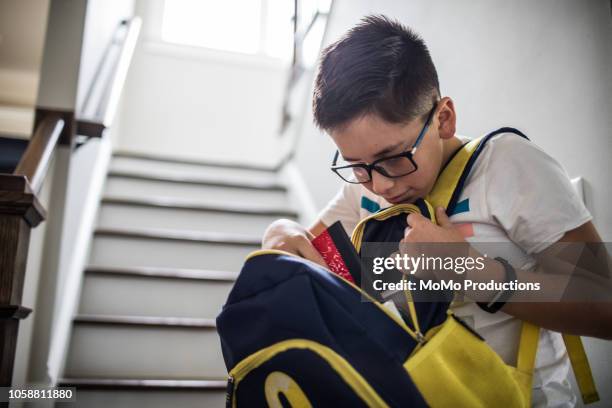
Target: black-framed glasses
point(395, 166)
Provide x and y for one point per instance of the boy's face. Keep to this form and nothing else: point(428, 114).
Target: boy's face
point(369, 138)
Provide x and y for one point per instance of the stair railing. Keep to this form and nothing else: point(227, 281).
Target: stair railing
point(20, 211)
point(20, 208)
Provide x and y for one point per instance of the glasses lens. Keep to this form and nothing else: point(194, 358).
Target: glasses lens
point(396, 166)
point(354, 174)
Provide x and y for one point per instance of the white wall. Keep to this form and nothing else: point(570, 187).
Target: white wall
point(22, 32)
point(543, 66)
point(197, 103)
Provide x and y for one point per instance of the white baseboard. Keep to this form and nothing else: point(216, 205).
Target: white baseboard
point(300, 195)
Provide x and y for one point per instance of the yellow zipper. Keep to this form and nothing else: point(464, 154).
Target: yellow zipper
point(357, 235)
point(350, 376)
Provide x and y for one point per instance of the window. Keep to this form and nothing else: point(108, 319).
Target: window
point(263, 27)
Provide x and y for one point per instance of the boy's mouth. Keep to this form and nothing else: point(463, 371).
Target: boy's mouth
point(401, 198)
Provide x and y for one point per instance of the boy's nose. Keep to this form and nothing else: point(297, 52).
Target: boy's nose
point(381, 184)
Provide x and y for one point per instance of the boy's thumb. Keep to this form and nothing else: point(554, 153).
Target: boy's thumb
point(442, 218)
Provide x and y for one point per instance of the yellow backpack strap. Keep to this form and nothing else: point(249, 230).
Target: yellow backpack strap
point(581, 367)
point(450, 182)
point(450, 178)
point(528, 347)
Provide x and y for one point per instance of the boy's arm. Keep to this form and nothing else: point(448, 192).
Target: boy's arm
point(585, 318)
point(582, 318)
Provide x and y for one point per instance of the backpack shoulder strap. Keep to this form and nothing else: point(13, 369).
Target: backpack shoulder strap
point(446, 193)
point(581, 367)
point(528, 347)
point(451, 181)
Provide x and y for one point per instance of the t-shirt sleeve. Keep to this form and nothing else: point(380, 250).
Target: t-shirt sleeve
point(530, 195)
point(344, 207)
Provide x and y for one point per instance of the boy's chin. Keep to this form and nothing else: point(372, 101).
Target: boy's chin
point(407, 198)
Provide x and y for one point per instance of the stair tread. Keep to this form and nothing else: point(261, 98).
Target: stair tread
point(196, 205)
point(205, 163)
point(159, 272)
point(181, 235)
point(145, 384)
point(188, 322)
point(202, 180)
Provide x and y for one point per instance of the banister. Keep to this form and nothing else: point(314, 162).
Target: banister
point(35, 160)
point(297, 70)
point(93, 120)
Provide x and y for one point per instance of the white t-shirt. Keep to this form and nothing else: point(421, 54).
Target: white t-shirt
point(518, 194)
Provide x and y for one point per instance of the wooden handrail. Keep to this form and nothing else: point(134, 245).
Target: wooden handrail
point(37, 156)
point(93, 121)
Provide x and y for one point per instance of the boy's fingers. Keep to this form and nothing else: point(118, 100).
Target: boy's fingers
point(308, 251)
point(414, 218)
point(442, 218)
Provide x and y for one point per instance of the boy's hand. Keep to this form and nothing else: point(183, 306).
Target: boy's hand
point(422, 230)
point(289, 236)
point(424, 238)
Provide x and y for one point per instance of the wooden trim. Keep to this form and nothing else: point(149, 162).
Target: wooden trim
point(14, 243)
point(37, 156)
point(183, 204)
point(145, 385)
point(14, 312)
point(17, 198)
point(170, 273)
point(202, 181)
point(178, 160)
point(180, 235)
point(9, 330)
point(148, 321)
point(90, 128)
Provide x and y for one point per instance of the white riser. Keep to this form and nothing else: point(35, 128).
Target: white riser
point(192, 170)
point(117, 351)
point(148, 399)
point(136, 188)
point(125, 216)
point(151, 296)
point(126, 252)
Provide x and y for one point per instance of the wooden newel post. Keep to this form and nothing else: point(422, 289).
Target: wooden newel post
point(20, 211)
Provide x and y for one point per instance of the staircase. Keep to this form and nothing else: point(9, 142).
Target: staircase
point(170, 239)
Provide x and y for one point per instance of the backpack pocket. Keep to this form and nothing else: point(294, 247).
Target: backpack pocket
point(455, 367)
point(273, 377)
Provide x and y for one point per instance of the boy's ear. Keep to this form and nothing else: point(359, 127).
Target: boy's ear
point(447, 120)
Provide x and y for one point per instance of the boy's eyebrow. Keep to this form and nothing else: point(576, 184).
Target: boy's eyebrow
point(380, 154)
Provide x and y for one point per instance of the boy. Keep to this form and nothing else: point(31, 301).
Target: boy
point(376, 91)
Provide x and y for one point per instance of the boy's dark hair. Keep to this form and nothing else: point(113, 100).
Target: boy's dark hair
point(380, 67)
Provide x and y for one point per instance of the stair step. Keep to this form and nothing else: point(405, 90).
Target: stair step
point(199, 180)
point(145, 397)
point(140, 384)
point(137, 347)
point(182, 204)
point(118, 213)
point(142, 248)
point(181, 235)
point(153, 321)
point(175, 273)
point(147, 294)
point(213, 194)
point(191, 169)
point(157, 158)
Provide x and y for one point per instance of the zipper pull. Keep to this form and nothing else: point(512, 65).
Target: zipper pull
point(229, 392)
